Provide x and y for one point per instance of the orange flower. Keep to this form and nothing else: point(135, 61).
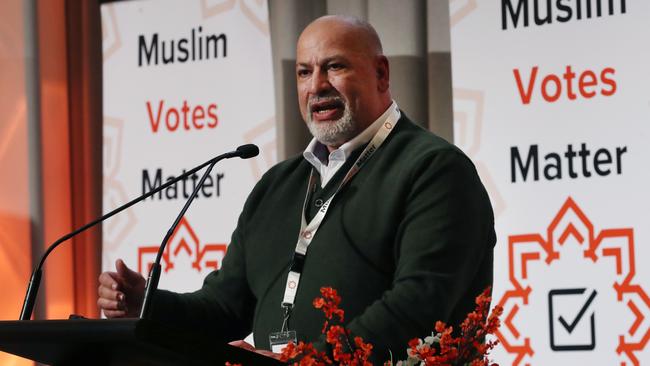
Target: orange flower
point(329, 303)
point(334, 334)
point(445, 349)
point(289, 352)
point(309, 355)
point(363, 351)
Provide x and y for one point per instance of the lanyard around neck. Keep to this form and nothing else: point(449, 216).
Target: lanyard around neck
point(308, 230)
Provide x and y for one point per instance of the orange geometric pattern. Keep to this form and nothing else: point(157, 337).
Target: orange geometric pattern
point(263, 135)
point(111, 39)
point(183, 240)
point(616, 244)
point(468, 130)
point(117, 228)
point(212, 8)
point(256, 11)
point(459, 9)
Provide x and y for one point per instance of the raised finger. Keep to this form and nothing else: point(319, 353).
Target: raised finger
point(109, 279)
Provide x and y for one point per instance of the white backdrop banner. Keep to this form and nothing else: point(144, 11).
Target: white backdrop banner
point(551, 102)
point(184, 81)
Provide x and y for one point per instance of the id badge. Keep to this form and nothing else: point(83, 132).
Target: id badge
point(279, 340)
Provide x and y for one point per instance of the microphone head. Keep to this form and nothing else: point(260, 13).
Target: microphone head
point(247, 151)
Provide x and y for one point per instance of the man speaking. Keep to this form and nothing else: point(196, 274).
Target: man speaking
point(392, 216)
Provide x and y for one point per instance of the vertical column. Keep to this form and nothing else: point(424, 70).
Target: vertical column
point(33, 113)
point(439, 67)
point(402, 28)
point(15, 221)
point(84, 54)
point(287, 19)
point(58, 276)
point(357, 8)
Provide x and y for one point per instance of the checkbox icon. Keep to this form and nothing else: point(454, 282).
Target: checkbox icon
point(572, 319)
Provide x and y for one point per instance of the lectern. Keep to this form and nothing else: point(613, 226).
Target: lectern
point(117, 342)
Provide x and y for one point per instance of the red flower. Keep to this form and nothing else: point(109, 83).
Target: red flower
point(329, 303)
point(309, 355)
point(334, 333)
point(363, 351)
point(469, 348)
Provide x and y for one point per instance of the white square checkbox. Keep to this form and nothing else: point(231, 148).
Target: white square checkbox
point(572, 319)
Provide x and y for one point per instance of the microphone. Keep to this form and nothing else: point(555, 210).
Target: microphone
point(248, 151)
point(244, 152)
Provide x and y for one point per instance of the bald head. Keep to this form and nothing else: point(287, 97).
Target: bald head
point(343, 78)
point(364, 33)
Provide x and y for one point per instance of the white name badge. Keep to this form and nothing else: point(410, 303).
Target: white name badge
point(279, 340)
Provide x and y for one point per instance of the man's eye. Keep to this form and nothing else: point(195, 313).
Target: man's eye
point(303, 73)
point(335, 66)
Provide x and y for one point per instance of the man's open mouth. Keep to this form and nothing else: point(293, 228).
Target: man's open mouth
point(327, 110)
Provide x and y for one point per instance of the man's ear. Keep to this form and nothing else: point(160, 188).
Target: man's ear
point(383, 73)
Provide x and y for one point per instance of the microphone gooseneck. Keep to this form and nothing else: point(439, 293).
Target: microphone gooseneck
point(244, 151)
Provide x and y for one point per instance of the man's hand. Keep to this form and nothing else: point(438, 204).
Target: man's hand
point(249, 347)
point(121, 292)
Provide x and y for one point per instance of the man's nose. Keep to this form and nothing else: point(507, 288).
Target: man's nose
point(319, 83)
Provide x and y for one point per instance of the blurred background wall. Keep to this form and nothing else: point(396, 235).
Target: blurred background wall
point(49, 153)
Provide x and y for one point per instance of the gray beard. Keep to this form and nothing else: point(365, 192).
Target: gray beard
point(333, 133)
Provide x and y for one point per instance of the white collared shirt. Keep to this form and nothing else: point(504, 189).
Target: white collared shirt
point(327, 166)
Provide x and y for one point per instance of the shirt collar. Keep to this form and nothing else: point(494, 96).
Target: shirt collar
point(317, 153)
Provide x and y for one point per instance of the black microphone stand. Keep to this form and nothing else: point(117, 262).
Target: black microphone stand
point(154, 273)
point(245, 151)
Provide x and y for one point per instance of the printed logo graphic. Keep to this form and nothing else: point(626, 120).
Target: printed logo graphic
point(256, 11)
point(468, 130)
point(118, 227)
point(262, 135)
point(583, 278)
point(215, 7)
point(459, 9)
point(111, 39)
point(558, 324)
point(183, 242)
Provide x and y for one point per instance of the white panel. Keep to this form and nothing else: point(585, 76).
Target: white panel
point(562, 237)
point(170, 117)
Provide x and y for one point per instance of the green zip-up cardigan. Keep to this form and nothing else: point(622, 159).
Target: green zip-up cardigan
point(406, 243)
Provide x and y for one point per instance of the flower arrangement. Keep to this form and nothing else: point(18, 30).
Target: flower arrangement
point(470, 348)
point(441, 348)
point(343, 351)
